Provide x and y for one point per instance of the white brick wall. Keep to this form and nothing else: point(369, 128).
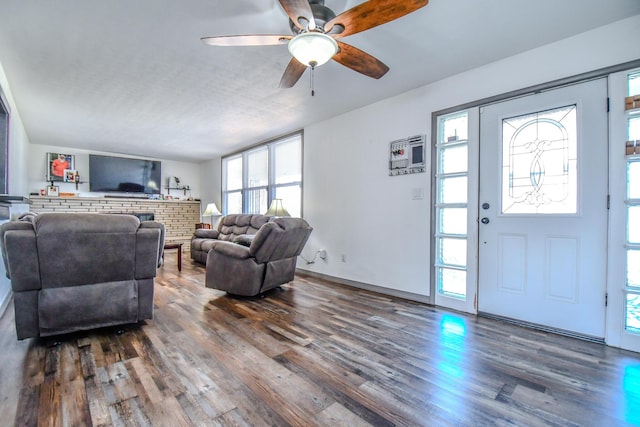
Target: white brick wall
point(178, 216)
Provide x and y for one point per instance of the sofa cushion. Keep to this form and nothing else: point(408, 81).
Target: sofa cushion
point(235, 225)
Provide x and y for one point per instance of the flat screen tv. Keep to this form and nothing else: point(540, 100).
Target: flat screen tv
point(124, 175)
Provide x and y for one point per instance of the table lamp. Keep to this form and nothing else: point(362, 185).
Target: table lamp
point(277, 208)
point(211, 211)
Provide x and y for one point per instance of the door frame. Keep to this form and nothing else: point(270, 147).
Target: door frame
point(610, 337)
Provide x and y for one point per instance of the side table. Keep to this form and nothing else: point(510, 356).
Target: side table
point(177, 246)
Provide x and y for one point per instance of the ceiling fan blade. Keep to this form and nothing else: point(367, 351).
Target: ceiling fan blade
point(371, 14)
point(247, 40)
point(297, 9)
point(292, 74)
point(360, 61)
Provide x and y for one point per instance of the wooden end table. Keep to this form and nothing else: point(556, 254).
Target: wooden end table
point(177, 246)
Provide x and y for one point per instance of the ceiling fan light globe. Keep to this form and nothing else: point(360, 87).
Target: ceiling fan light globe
point(313, 47)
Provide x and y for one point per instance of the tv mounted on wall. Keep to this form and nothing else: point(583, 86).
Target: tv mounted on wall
point(124, 175)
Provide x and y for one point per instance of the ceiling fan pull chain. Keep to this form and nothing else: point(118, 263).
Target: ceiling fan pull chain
point(313, 68)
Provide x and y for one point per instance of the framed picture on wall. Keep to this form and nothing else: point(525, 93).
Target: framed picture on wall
point(57, 163)
point(70, 175)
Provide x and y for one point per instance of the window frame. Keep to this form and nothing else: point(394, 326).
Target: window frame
point(271, 187)
point(5, 121)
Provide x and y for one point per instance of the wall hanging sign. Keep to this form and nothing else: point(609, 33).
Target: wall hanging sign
point(407, 155)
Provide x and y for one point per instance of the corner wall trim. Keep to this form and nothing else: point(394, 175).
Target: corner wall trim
point(367, 287)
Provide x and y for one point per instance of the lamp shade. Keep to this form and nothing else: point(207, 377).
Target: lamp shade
point(277, 209)
point(211, 210)
point(313, 49)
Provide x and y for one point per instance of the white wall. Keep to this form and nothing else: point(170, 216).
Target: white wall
point(189, 173)
point(357, 210)
point(211, 184)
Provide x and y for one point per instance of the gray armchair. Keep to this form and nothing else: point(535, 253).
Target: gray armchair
point(254, 264)
point(73, 272)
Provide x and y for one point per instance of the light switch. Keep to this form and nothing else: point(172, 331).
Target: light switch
point(417, 194)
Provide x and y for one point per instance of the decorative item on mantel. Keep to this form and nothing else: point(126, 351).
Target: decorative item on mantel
point(53, 190)
point(211, 211)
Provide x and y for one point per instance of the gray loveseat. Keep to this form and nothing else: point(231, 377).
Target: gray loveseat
point(73, 272)
point(233, 227)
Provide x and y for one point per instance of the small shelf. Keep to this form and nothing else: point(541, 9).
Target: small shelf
point(184, 190)
point(67, 182)
point(52, 183)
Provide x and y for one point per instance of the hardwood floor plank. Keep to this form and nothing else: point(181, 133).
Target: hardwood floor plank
point(310, 353)
point(98, 407)
point(337, 415)
point(26, 413)
point(75, 407)
point(49, 403)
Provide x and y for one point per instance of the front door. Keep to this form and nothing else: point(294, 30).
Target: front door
point(543, 209)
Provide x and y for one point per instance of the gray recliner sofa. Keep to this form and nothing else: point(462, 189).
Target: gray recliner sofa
point(263, 262)
point(72, 272)
point(233, 227)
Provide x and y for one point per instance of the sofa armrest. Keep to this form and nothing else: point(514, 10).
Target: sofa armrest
point(159, 226)
point(148, 247)
point(206, 233)
point(230, 249)
point(22, 260)
point(9, 226)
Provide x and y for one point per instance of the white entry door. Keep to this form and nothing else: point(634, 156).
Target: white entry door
point(543, 209)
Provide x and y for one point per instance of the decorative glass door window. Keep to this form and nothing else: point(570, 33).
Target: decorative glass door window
point(451, 205)
point(539, 155)
point(632, 288)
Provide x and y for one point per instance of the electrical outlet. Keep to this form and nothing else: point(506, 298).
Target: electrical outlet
point(323, 254)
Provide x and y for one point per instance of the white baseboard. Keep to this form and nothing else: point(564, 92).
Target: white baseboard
point(373, 288)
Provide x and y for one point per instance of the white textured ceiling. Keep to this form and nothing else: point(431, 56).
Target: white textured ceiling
point(132, 77)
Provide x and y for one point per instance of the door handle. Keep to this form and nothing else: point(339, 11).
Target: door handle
point(485, 220)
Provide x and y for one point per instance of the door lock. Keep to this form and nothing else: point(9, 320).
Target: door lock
point(485, 220)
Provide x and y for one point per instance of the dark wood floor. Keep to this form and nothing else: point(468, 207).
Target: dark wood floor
point(312, 353)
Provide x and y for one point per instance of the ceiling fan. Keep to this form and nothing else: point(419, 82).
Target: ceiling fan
point(315, 29)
